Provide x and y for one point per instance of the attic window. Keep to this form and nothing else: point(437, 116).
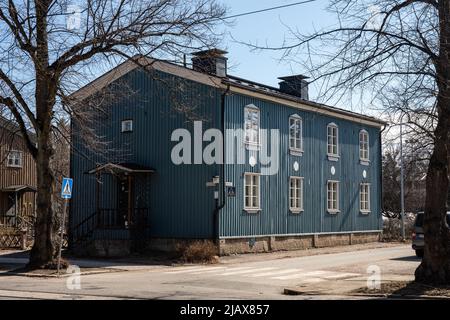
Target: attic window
point(127, 126)
point(14, 159)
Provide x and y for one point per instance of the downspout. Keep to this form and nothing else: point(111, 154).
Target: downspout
point(221, 205)
point(381, 177)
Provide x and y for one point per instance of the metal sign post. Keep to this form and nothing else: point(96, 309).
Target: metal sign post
point(66, 194)
point(62, 233)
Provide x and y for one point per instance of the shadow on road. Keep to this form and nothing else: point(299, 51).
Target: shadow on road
point(408, 258)
point(15, 254)
point(20, 258)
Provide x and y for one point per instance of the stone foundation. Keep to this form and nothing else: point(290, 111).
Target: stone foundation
point(167, 244)
point(280, 243)
point(123, 248)
point(103, 248)
point(120, 248)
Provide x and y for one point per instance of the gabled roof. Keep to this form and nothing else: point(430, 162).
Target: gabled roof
point(13, 127)
point(142, 62)
point(236, 84)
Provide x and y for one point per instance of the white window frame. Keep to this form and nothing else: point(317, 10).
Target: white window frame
point(298, 194)
point(123, 125)
point(257, 207)
point(10, 160)
point(364, 151)
point(333, 156)
point(294, 139)
point(364, 198)
point(332, 209)
point(255, 143)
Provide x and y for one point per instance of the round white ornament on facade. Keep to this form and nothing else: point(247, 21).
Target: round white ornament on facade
point(296, 166)
point(364, 174)
point(333, 170)
point(252, 161)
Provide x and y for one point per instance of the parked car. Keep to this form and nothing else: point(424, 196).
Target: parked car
point(418, 237)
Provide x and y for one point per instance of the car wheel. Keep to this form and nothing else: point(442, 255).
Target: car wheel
point(419, 253)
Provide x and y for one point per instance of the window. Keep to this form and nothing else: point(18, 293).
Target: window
point(332, 141)
point(364, 197)
point(251, 191)
point(296, 194)
point(14, 159)
point(364, 145)
point(251, 125)
point(295, 133)
point(333, 196)
point(127, 125)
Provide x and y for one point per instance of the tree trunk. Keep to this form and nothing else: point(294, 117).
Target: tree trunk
point(44, 250)
point(435, 266)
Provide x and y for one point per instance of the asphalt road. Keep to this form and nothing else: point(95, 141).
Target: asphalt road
point(232, 280)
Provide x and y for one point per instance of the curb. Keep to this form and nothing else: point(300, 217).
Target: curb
point(62, 275)
point(297, 292)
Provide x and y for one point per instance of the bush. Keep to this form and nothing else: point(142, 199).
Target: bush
point(392, 228)
point(201, 251)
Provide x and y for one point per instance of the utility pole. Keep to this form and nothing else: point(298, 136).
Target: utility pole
point(402, 181)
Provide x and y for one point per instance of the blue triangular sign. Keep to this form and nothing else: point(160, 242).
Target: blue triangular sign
point(66, 190)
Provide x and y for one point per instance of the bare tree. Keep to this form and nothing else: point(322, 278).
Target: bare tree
point(395, 54)
point(48, 48)
point(415, 162)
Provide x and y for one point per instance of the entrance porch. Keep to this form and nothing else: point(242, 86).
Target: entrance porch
point(121, 211)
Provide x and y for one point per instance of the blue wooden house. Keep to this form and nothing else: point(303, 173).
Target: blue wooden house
point(195, 153)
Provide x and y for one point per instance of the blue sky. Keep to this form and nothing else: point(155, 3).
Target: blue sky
point(269, 27)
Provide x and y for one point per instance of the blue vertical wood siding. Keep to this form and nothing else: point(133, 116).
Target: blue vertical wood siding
point(181, 206)
point(180, 203)
point(275, 216)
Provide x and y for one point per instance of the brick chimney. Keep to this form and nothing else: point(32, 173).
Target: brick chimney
point(211, 61)
point(295, 85)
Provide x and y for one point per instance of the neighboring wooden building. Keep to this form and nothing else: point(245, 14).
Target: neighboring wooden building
point(17, 182)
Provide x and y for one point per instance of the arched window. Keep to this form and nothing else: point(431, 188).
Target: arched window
point(251, 125)
point(364, 145)
point(295, 133)
point(332, 140)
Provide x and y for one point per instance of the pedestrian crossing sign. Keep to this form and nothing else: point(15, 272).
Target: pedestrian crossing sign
point(66, 189)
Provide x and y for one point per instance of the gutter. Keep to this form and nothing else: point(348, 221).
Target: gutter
point(319, 108)
point(222, 176)
point(381, 176)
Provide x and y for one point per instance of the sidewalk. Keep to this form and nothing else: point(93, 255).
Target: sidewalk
point(253, 257)
point(11, 260)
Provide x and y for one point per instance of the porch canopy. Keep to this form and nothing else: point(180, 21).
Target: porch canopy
point(121, 168)
point(19, 188)
point(17, 191)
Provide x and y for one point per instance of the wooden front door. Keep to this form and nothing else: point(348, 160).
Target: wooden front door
point(125, 199)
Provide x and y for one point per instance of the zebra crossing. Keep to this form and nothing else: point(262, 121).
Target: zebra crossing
point(274, 273)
